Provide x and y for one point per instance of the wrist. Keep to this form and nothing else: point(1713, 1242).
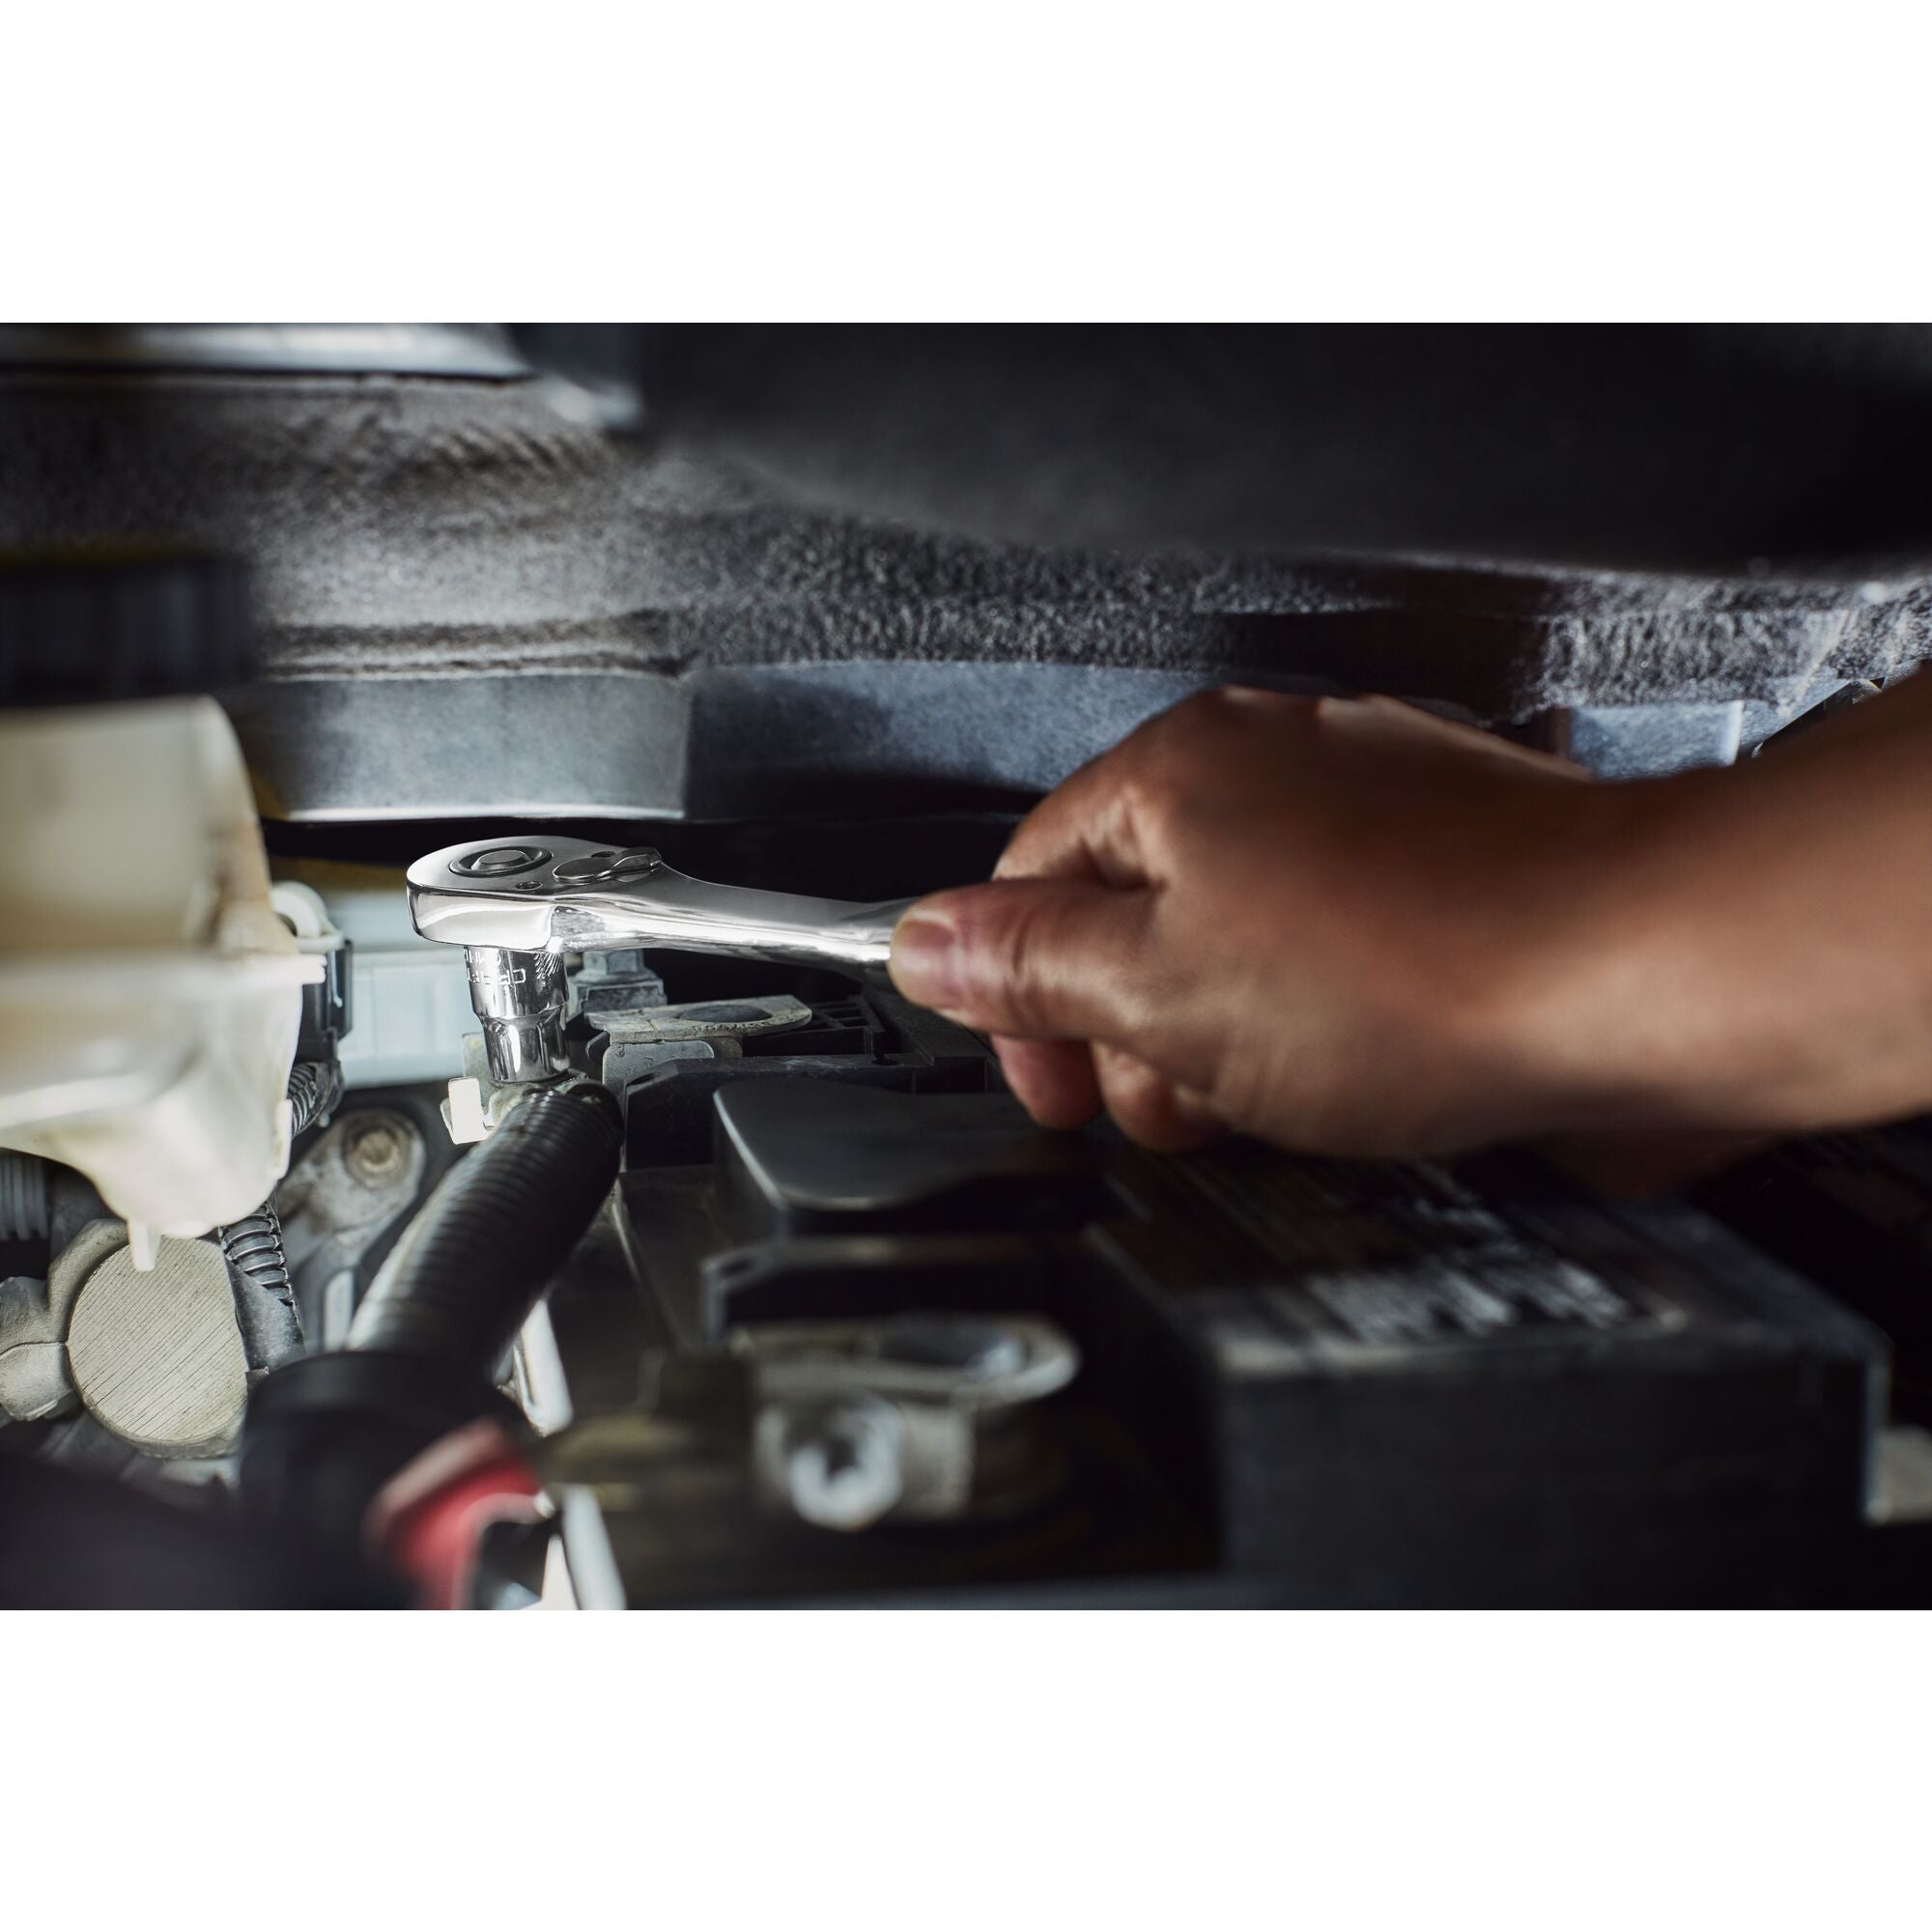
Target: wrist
point(1735, 964)
point(1618, 1014)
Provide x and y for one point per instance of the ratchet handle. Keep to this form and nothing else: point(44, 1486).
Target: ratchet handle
point(553, 894)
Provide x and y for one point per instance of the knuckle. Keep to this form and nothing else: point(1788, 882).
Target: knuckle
point(1150, 797)
point(1022, 855)
point(1143, 1104)
point(1201, 732)
point(1203, 717)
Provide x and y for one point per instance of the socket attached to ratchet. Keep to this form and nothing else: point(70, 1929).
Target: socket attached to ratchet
point(516, 905)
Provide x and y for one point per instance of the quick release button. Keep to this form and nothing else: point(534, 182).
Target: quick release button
point(590, 866)
point(499, 861)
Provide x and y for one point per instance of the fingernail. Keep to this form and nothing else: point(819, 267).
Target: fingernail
point(925, 964)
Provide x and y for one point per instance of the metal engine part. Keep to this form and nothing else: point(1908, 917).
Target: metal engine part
point(352, 1188)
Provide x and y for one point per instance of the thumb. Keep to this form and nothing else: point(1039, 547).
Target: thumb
point(1030, 958)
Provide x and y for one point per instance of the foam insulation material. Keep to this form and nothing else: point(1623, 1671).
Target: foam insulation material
point(407, 527)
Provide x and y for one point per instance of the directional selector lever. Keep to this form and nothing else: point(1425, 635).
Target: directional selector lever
point(516, 905)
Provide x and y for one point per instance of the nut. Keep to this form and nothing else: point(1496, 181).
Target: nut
point(376, 1150)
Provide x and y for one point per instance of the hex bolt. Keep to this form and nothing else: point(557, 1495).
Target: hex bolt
point(376, 1151)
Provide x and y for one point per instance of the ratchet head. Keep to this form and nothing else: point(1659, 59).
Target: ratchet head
point(505, 891)
point(497, 900)
point(537, 894)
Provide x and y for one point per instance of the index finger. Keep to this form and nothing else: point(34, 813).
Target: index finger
point(1070, 834)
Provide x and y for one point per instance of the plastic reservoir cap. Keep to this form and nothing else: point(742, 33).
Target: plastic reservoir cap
point(157, 1356)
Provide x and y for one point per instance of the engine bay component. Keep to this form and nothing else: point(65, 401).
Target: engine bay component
point(265, 1295)
point(272, 1323)
point(901, 1419)
point(800, 1358)
point(692, 626)
point(24, 1203)
point(326, 1433)
point(149, 996)
point(158, 1357)
point(154, 1355)
point(408, 999)
point(745, 1281)
point(343, 1196)
point(512, 906)
point(470, 1267)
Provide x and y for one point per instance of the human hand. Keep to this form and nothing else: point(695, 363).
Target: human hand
point(1351, 928)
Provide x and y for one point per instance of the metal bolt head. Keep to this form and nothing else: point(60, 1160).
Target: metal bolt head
point(376, 1151)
